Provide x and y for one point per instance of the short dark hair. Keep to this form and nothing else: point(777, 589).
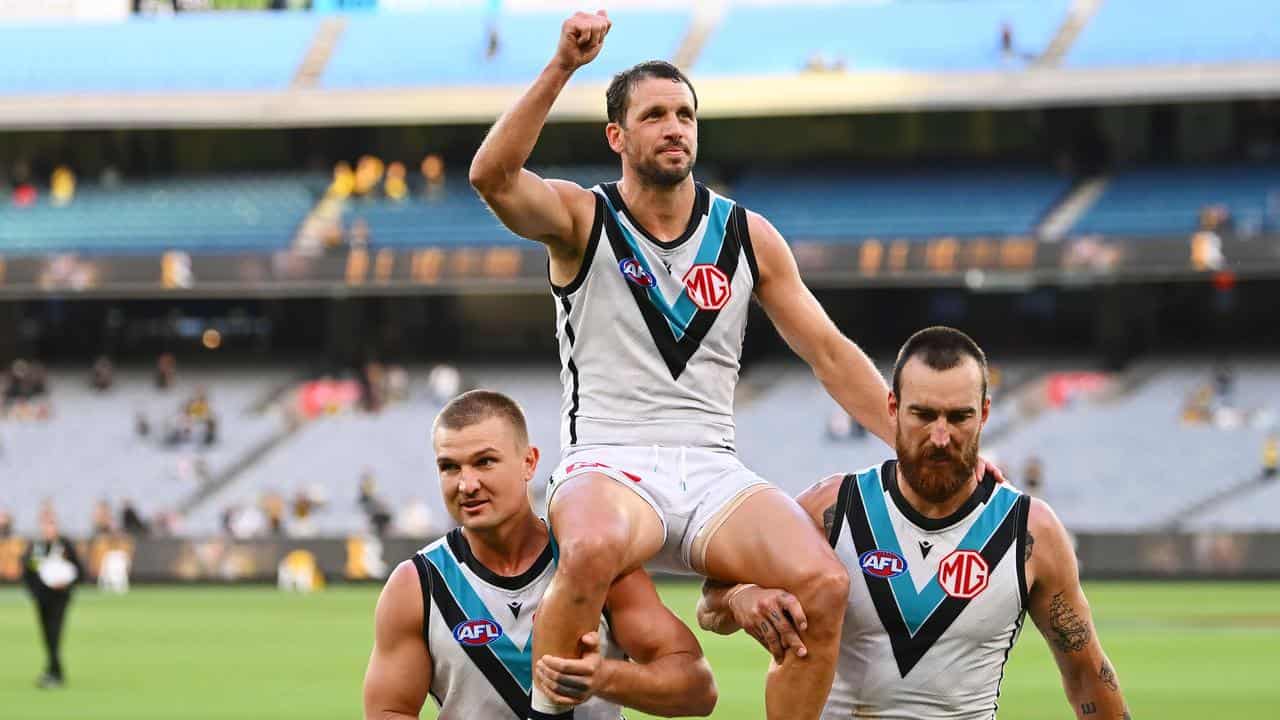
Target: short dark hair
point(476, 406)
point(940, 348)
point(618, 97)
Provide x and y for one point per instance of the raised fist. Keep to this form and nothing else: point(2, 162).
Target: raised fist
point(581, 38)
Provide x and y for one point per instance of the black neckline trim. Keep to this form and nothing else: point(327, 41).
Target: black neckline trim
point(889, 479)
point(462, 550)
point(701, 201)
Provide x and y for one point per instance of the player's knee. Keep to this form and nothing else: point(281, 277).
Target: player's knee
point(825, 591)
point(591, 557)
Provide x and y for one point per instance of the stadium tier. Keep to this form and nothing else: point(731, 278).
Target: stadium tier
point(1169, 200)
point(449, 47)
point(841, 206)
point(90, 449)
point(916, 36)
point(202, 52)
point(209, 215)
point(1156, 32)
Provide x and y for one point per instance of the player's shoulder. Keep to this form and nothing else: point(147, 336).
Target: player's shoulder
point(1041, 517)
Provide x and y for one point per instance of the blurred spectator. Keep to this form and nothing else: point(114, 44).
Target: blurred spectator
point(6, 524)
point(166, 371)
point(1271, 457)
point(1224, 382)
point(1033, 477)
point(444, 382)
point(397, 383)
point(369, 171)
point(62, 186)
point(141, 425)
point(248, 522)
point(372, 505)
point(168, 523)
point(344, 180)
point(110, 178)
point(102, 375)
point(395, 186)
point(359, 237)
point(305, 504)
point(368, 489)
point(372, 386)
point(841, 427)
point(432, 169)
point(25, 195)
point(102, 524)
point(273, 508)
point(131, 521)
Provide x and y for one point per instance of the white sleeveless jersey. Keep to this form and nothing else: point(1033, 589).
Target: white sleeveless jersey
point(934, 605)
point(479, 632)
point(651, 332)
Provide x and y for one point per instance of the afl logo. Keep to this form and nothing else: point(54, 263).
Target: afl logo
point(635, 272)
point(882, 563)
point(707, 286)
point(477, 632)
point(963, 574)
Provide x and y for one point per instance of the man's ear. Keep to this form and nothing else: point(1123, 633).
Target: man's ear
point(613, 134)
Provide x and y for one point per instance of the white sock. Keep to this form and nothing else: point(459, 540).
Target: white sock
point(540, 702)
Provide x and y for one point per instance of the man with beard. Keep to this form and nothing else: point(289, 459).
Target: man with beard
point(653, 276)
point(945, 563)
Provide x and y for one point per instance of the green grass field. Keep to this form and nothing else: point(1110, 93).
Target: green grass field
point(1181, 650)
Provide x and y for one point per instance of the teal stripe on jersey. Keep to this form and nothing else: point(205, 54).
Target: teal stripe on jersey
point(916, 606)
point(518, 662)
point(679, 316)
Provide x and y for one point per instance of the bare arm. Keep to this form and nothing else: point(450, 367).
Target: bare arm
point(399, 674)
point(549, 211)
point(843, 369)
point(773, 617)
point(667, 674)
point(1061, 612)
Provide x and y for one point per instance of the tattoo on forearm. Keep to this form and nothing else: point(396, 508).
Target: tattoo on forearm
point(570, 688)
point(1031, 541)
point(828, 519)
point(1088, 708)
point(1072, 632)
point(1108, 677)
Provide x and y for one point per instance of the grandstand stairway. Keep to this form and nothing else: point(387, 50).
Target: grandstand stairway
point(1059, 220)
point(1078, 17)
point(1204, 506)
point(706, 18)
point(323, 43)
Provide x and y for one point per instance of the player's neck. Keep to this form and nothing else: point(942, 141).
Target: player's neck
point(510, 548)
point(935, 510)
point(663, 211)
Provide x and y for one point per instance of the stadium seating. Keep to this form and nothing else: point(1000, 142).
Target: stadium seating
point(108, 460)
point(447, 47)
point(197, 52)
point(928, 35)
point(1155, 201)
point(1152, 32)
point(832, 206)
point(220, 214)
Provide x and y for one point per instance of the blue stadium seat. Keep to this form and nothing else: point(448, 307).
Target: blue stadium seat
point(1145, 32)
point(928, 35)
point(807, 206)
point(446, 47)
point(226, 214)
point(1161, 201)
point(197, 52)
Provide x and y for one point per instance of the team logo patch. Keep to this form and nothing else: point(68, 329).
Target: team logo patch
point(633, 271)
point(707, 286)
point(477, 632)
point(882, 563)
point(964, 574)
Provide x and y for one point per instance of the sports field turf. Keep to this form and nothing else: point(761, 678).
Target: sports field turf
point(1181, 650)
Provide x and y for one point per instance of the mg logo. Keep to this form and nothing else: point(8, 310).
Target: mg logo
point(963, 574)
point(707, 286)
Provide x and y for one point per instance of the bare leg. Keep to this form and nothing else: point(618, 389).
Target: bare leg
point(770, 541)
point(604, 530)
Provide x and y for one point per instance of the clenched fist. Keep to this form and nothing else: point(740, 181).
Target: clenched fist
point(581, 38)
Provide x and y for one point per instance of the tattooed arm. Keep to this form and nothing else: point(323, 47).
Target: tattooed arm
point(1061, 612)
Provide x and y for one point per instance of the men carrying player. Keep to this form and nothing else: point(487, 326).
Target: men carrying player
point(943, 566)
point(653, 278)
point(456, 621)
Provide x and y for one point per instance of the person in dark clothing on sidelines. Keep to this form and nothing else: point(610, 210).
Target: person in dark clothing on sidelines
point(50, 569)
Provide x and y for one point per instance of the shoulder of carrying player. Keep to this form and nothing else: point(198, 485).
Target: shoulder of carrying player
point(399, 674)
point(819, 499)
point(400, 616)
point(1050, 555)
